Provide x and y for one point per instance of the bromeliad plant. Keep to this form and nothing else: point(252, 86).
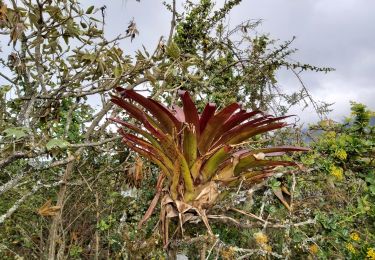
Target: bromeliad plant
point(197, 153)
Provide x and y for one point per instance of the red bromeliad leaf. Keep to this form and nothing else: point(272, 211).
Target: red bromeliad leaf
point(175, 179)
point(158, 154)
point(236, 120)
point(185, 171)
point(271, 119)
point(246, 164)
point(244, 132)
point(208, 112)
point(236, 126)
point(179, 113)
point(252, 177)
point(246, 157)
point(213, 125)
point(190, 111)
point(163, 115)
point(148, 155)
point(137, 114)
point(175, 120)
point(270, 151)
point(258, 177)
point(196, 167)
point(138, 130)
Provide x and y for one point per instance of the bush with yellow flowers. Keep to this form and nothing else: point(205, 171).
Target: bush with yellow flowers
point(340, 191)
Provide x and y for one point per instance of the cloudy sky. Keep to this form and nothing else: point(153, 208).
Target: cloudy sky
point(332, 33)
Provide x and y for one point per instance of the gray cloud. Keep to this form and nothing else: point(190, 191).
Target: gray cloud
point(332, 33)
point(336, 33)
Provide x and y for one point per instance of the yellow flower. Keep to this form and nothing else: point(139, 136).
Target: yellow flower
point(268, 248)
point(330, 134)
point(260, 238)
point(371, 253)
point(350, 248)
point(341, 154)
point(354, 236)
point(313, 249)
point(228, 254)
point(337, 172)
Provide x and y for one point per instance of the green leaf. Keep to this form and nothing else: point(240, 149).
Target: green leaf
point(118, 72)
point(90, 9)
point(5, 88)
point(56, 143)
point(91, 57)
point(214, 161)
point(84, 26)
point(16, 132)
point(173, 51)
point(66, 39)
point(190, 145)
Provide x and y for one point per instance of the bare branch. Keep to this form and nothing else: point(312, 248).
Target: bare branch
point(173, 22)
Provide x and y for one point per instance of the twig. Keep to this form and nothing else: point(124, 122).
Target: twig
point(95, 143)
point(209, 253)
point(173, 22)
point(17, 155)
point(248, 214)
point(7, 78)
point(18, 203)
point(239, 186)
point(239, 224)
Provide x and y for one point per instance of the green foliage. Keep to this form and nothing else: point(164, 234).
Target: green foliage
point(342, 156)
point(75, 252)
point(16, 132)
point(56, 143)
point(56, 146)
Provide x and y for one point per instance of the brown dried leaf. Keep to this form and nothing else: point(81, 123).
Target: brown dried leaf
point(182, 207)
point(138, 170)
point(132, 30)
point(207, 196)
point(279, 194)
point(48, 210)
point(259, 156)
point(154, 201)
point(227, 173)
point(16, 33)
point(3, 12)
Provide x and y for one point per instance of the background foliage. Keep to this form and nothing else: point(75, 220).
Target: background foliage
point(70, 190)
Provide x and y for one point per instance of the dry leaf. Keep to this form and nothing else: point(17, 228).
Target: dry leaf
point(48, 210)
point(16, 33)
point(259, 156)
point(227, 173)
point(154, 201)
point(280, 195)
point(132, 30)
point(207, 196)
point(3, 13)
point(138, 170)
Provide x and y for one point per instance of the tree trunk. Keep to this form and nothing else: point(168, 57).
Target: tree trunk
point(54, 236)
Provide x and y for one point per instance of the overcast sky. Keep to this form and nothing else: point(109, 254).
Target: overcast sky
point(332, 33)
